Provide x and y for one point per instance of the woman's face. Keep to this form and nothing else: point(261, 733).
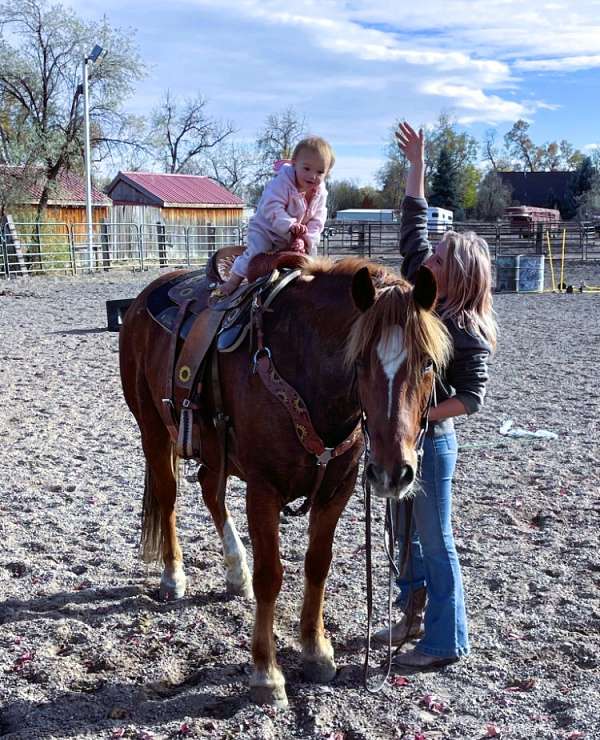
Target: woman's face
point(437, 264)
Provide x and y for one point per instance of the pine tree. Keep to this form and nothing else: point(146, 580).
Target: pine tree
point(581, 182)
point(444, 184)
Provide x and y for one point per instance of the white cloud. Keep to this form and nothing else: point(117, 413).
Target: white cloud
point(564, 64)
point(479, 106)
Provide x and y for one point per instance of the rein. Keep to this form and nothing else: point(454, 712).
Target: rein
point(293, 403)
point(389, 535)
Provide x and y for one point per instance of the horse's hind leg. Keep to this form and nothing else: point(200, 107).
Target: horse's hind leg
point(159, 533)
point(237, 576)
point(318, 663)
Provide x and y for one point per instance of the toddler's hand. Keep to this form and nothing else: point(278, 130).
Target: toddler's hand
point(297, 230)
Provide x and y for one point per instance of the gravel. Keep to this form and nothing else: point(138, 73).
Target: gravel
point(87, 651)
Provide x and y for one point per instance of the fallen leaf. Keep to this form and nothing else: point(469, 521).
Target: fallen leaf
point(575, 735)
point(431, 702)
point(399, 681)
point(527, 684)
point(23, 660)
point(492, 731)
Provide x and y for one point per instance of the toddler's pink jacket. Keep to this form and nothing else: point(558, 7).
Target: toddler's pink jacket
point(280, 206)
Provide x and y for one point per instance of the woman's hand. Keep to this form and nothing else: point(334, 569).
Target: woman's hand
point(411, 143)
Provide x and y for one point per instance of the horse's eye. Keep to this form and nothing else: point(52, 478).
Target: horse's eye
point(428, 366)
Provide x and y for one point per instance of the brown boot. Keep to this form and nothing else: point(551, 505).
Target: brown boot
point(402, 630)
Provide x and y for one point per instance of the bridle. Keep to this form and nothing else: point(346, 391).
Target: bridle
point(389, 537)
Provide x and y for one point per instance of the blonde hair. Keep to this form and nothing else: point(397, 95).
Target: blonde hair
point(317, 145)
point(468, 271)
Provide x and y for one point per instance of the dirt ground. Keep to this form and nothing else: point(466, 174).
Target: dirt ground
point(87, 650)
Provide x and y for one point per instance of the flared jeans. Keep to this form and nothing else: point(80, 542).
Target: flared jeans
point(433, 559)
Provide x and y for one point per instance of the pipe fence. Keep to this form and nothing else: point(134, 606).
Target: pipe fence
point(57, 248)
point(29, 248)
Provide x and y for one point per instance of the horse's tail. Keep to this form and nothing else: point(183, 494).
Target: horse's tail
point(152, 537)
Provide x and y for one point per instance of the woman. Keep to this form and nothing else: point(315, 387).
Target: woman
point(431, 592)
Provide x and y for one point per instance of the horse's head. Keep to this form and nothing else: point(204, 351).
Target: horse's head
point(396, 344)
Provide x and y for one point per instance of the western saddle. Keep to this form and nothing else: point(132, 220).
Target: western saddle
point(201, 326)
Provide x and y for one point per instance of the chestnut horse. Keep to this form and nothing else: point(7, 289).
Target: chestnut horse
point(349, 337)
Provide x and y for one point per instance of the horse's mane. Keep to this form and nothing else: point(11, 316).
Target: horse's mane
point(425, 335)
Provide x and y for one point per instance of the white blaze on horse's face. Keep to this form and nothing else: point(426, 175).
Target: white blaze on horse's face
point(392, 355)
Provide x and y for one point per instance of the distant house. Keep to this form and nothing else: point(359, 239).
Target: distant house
point(66, 202)
point(145, 198)
point(540, 189)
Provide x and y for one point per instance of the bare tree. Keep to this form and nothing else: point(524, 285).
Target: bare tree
point(493, 197)
point(232, 165)
point(281, 132)
point(41, 53)
point(182, 133)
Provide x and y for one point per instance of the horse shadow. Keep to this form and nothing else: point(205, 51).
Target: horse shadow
point(90, 603)
point(107, 706)
point(80, 332)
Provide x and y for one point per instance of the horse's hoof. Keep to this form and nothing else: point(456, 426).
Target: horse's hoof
point(172, 588)
point(268, 688)
point(319, 671)
point(243, 589)
point(275, 696)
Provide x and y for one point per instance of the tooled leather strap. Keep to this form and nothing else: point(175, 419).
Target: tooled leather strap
point(296, 408)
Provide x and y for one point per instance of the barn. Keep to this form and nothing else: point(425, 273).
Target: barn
point(66, 202)
point(182, 200)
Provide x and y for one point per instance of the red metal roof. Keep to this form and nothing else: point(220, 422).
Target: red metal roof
point(180, 189)
point(67, 189)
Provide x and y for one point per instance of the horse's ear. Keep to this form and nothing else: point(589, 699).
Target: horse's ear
point(425, 290)
point(363, 290)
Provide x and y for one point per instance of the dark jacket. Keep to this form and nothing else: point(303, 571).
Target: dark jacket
point(466, 374)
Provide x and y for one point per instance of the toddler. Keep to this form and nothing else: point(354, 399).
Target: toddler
point(291, 213)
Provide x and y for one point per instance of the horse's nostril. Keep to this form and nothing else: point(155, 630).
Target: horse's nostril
point(403, 476)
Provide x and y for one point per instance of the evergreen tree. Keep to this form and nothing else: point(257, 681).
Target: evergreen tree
point(581, 183)
point(444, 184)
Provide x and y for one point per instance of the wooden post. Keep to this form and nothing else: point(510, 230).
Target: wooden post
point(12, 248)
point(162, 244)
point(104, 240)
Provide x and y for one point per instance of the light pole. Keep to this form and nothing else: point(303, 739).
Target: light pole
point(93, 56)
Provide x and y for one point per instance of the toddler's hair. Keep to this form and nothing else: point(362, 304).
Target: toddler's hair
point(317, 145)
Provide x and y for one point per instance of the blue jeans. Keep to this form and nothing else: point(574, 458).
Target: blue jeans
point(433, 557)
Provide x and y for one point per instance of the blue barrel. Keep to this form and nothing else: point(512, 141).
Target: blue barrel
point(531, 273)
point(507, 273)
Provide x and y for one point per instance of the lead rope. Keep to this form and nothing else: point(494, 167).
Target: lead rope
point(390, 529)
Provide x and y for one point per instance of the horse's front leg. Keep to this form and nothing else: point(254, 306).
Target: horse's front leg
point(318, 662)
point(267, 684)
point(237, 576)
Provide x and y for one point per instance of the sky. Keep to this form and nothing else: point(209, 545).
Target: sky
point(355, 67)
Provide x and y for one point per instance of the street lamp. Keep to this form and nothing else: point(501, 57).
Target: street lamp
point(93, 56)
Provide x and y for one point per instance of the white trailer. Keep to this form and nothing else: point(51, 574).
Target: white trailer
point(439, 220)
point(371, 215)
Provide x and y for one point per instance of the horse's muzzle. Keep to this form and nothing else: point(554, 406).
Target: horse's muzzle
point(385, 485)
